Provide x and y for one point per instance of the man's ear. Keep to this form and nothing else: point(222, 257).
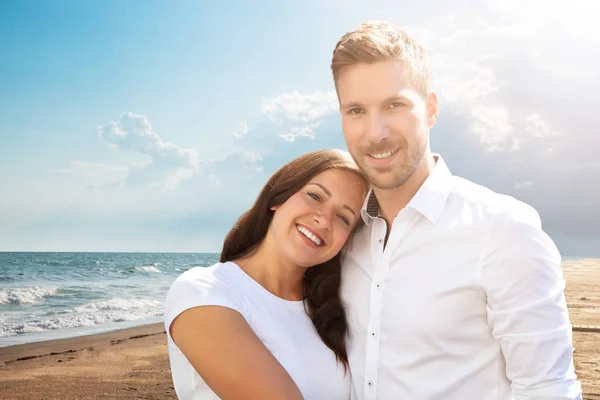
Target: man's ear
point(432, 109)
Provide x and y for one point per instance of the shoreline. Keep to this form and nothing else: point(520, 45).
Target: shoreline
point(44, 348)
point(74, 333)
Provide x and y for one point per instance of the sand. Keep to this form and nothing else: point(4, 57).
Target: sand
point(127, 364)
point(583, 299)
point(133, 363)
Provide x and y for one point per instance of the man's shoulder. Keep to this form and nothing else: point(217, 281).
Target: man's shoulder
point(491, 203)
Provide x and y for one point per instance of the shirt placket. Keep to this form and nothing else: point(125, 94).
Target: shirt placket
point(381, 263)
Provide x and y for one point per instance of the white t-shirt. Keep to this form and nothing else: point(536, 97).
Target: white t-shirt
point(282, 325)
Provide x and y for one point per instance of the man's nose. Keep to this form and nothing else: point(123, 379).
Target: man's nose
point(377, 129)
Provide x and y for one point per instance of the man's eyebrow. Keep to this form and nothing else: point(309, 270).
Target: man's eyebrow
point(396, 97)
point(353, 104)
point(389, 99)
point(328, 193)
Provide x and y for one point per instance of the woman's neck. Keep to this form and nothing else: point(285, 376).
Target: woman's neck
point(271, 270)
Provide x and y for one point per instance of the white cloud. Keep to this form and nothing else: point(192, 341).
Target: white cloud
point(294, 106)
point(459, 80)
point(493, 125)
point(521, 185)
point(300, 131)
point(579, 17)
point(250, 160)
point(535, 126)
point(241, 130)
point(510, 70)
point(168, 163)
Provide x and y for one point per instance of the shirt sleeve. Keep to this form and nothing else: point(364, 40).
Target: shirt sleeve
point(197, 287)
point(527, 310)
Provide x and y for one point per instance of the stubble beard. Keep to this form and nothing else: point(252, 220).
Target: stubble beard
point(396, 176)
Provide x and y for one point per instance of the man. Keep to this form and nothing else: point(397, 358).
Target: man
point(452, 291)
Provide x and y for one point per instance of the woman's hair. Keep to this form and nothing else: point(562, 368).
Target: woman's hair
point(321, 282)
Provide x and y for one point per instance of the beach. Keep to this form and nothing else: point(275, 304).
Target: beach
point(127, 364)
point(133, 363)
point(583, 299)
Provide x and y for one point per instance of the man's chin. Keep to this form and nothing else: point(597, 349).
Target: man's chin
point(386, 185)
point(384, 180)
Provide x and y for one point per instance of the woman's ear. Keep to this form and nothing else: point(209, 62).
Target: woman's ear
point(274, 208)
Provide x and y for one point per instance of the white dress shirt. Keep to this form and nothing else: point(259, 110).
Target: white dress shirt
point(465, 301)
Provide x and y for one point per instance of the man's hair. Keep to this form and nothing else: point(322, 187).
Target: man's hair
point(375, 41)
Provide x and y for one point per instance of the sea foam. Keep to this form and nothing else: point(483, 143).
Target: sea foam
point(27, 295)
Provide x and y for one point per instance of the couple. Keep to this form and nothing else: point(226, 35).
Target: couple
point(378, 275)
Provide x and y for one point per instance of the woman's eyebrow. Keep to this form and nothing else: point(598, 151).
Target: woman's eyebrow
point(322, 187)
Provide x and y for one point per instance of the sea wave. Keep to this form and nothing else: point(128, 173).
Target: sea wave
point(147, 268)
point(117, 304)
point(27, 295)
point(97, 313)
point(47, 262)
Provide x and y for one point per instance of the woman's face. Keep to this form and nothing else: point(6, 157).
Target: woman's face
point(312, 226)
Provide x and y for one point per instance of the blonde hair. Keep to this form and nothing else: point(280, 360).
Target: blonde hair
point(375, 41)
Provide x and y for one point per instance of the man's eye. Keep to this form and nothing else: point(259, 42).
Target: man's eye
point(344, 219)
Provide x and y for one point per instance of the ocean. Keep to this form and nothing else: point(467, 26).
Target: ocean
point(45, 296)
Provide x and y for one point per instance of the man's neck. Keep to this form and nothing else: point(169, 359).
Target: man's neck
point(392, 201)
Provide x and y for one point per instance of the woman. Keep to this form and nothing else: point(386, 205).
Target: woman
point(266, 322)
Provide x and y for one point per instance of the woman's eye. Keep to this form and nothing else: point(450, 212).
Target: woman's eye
point(314, 196)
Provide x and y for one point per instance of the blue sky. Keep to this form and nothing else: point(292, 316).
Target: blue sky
point(151, 125)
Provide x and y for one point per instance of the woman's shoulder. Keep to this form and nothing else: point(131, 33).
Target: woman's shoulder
point(220, 274)
point(213, 271)
point(215, 285)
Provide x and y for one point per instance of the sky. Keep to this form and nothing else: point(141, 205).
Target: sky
point(152, 125)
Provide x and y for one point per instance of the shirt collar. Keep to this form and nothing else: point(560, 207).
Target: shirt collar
point(429, 200)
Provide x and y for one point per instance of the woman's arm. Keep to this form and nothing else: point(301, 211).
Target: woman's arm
point(229, 356)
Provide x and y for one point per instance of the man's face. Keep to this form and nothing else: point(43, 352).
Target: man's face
point(385, 120)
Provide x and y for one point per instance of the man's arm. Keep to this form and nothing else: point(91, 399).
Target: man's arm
point(522, 276)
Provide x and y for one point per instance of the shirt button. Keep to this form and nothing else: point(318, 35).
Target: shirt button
point(373, 333)
point(378, 285)
point(370, 383)
point(380, 241)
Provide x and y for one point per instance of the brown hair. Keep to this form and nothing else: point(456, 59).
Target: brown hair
point(321, 282)
point(375, 41)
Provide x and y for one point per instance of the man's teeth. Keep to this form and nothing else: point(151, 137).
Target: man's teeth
point(309, 235)
point(383, 155)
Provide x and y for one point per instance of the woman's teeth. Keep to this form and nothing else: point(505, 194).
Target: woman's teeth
point(309, 235)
